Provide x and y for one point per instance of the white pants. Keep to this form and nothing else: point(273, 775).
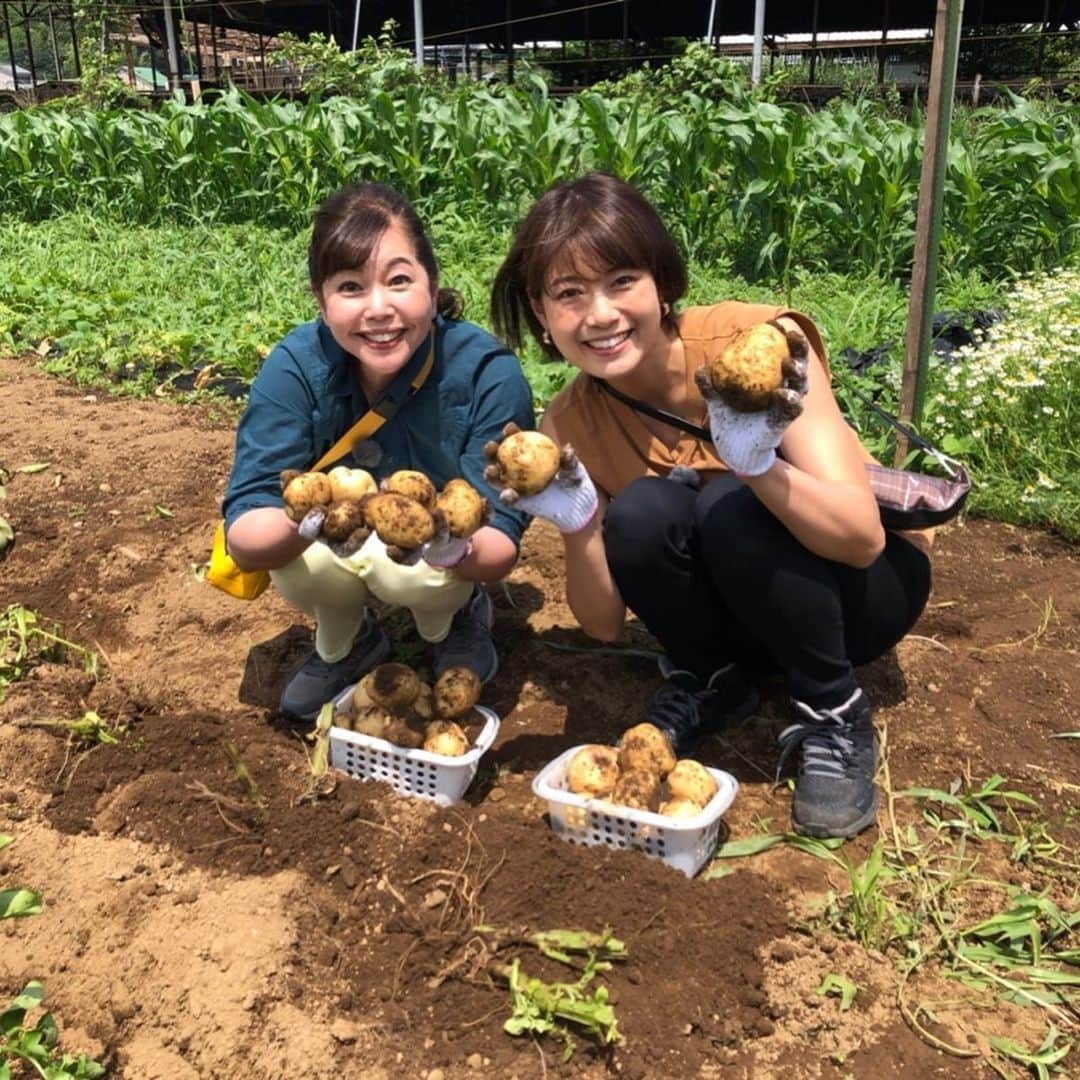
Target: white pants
point(334, 592)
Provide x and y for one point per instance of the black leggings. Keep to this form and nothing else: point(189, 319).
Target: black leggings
point(717, 578)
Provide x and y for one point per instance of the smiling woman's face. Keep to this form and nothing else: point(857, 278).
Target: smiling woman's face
point(382, 311)
point(605, 323)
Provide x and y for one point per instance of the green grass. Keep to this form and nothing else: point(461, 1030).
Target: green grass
point(131, 307)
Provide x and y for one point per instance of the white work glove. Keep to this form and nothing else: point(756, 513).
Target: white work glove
point(569, 501)
point(747, 441)
point(446, 553)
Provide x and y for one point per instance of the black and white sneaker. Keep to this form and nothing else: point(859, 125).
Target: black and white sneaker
point(685, 708)
point(316, 681)
point(834, 793)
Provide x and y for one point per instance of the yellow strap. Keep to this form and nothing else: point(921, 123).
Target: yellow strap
point(372, 420)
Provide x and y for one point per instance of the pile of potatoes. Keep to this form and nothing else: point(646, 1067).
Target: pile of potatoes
point(391, 702)
point(642, 773)
point(405, 510)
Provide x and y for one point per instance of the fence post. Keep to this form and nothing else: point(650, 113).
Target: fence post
point(928, 216)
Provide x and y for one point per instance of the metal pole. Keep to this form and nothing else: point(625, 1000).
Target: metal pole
point(213, 47)
point(712, 23)
point(75, 42)
point(57, 63)
point(759, 39)
point(418, 30)
point(813, 41)
point(356, 25)
point(172, 55)
point(881, 47)
point(29, 47)
point(509, 43)
point(11, 50)
point(928, 216)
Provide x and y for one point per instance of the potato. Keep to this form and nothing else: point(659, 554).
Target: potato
point(593, 770)
point(350, 485)
point(304, 492)
point(360, 698)
point(412, 484)
point(462, 506)
point(424, 705)
point(527, 461)
point(748, 371)
point(393, 686)
point(401, 733)
point(446, 738)
point(400, 521)
point(455, 692)
point(637, 788)
point(691, 780)
point(342, 520)
point(680, 808)
point(371, 720)
point(645, 746)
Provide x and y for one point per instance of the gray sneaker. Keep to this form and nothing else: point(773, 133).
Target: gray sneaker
point(469, 642)
point(835, 793)
point(316, 682)
point(684, 708)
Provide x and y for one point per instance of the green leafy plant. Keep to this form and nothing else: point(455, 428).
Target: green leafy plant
point(36, 1046)
point(543, 1008)
point(17, 902)
point(834, 985)
point(24, 642)
point(1041, 1061)
point(89, 730)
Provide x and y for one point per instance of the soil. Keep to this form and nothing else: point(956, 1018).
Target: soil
point(195, 926)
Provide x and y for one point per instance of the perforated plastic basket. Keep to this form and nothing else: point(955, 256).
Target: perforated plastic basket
point(411, 772)
point(685, 844)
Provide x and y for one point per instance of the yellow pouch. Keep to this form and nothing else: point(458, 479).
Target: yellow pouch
point(224, 574)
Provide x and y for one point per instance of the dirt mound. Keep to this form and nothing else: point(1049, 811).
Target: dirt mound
point(196, 926)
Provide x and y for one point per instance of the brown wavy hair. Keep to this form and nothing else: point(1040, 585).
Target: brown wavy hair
point(596, 222)
point(348, 226)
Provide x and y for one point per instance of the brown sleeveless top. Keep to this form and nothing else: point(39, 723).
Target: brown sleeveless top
point(612, 440)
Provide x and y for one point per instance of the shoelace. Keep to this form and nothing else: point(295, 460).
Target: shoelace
point(825, 738)
point(677, 708)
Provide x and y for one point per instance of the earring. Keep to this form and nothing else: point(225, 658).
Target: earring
point(545, 337)
point(665, 309)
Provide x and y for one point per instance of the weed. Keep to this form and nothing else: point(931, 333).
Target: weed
point(541, 1008)
point(834, 985)
point(16, 902)
point(37, 1045)
point(1040, 1061)
point(24, 642)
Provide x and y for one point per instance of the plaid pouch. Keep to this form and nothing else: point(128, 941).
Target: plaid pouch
point(912, 500)
point(909, 500)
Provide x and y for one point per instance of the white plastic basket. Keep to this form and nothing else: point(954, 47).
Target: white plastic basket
point(685, 844)
point(419, 773)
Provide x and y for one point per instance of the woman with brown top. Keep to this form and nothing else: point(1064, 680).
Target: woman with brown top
point(745, 542)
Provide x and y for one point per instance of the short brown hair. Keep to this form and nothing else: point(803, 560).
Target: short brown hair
point(348, 226)
point(597, 222)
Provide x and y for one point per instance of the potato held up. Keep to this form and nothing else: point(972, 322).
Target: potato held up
point(750, 370)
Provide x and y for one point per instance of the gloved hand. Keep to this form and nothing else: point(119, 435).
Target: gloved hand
point(312, 522)
point(569, 501)
point(747, 441)
point(446, 551)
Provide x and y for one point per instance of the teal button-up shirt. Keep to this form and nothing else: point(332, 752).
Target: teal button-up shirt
point(306, 396)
